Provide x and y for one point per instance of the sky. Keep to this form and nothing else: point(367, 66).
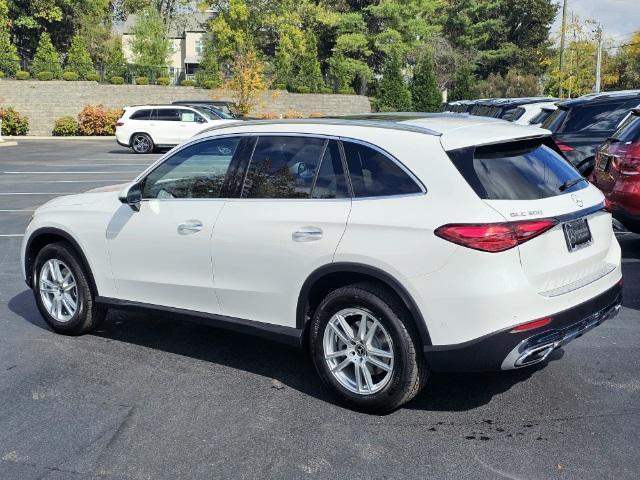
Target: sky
point(619, 18)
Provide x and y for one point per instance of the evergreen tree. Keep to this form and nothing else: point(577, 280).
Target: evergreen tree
point(116, 61)
point(47, 58)
point(462, 84)
point(78, 58)
point(309, 74)
point(209, 68)
point(9, 59)
point(425, 93)
point(149, 42)
point(393, 94)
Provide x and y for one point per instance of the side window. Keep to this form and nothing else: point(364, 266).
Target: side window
point(373, 174)
point(283, 167)
point(198, 171)
point(330, 181)
point(168, 114)
point(190, 116)
point(593, 117)
point(140, 115)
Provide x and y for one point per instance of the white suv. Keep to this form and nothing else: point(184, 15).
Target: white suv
point(146, 127)
point(388, 246)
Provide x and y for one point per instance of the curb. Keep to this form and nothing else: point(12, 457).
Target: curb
point(4, 143)
point(51, 137)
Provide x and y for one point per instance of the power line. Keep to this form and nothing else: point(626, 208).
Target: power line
point(623, 45)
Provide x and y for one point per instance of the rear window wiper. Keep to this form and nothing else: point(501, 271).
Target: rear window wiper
point(569, 184)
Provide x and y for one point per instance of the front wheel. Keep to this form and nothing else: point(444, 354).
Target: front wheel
point(364, 348)
point(62, 291)
point(141, 143)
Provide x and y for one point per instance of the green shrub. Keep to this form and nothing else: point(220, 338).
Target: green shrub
point(346, 91)
point(13, 123)
point(1, 74)
point(163, 81)
point(22, 75)
point(326, 90)
point(65, 127)
point(188, 83)
point(210, 84)
point(280, 86)
point(70, 76)
point(142, 81)
point(45, 76)
point(92, 77)
point(116, 80)
point(303, 89)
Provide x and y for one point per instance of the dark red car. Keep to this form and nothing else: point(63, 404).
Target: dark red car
point(617, 172)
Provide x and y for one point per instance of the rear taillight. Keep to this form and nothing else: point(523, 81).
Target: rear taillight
point(494, 237)
point(119, 124)
point(563, 147)
point(625, 158)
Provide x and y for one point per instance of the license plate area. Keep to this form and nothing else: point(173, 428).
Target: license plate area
point(577, 234)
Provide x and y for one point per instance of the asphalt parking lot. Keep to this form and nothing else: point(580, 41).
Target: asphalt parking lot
point(150, 397)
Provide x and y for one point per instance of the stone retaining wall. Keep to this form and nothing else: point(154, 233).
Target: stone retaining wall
point(43, 102)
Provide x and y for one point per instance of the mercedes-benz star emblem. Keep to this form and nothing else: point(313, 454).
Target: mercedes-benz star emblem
point(577, 200)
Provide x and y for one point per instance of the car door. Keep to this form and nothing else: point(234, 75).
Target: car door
point(191, 123)
point(291, 212)
point(161, 254)
point(165, 128)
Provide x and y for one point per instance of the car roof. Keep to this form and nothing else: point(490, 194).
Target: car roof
point(601, 97)
point(159, 105)
point(456, 130)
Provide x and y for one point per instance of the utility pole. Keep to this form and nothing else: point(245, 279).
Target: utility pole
point(563, 29)
point(596, 88)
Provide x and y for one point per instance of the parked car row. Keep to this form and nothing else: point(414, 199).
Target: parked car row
point(522, 111)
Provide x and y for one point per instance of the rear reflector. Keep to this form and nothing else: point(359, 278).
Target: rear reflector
point(494, 237)
point(119, 124)
point(531, 325)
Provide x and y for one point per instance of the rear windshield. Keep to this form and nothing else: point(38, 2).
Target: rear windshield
point(629, 131)
point(554, 120)
point(542, 116)
point(526, 170)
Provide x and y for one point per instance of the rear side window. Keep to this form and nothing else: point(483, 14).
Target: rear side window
point(373, 174)
point(629, 131)
point(168, 114)
point(283, 167)
point(541, 117)
point(516, 171)
point(554, 121)
point(512, 114)
point(141, 115)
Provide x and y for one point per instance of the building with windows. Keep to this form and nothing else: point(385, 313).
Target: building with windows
point(187, 35)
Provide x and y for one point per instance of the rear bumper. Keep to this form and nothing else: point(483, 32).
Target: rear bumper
point(504, 350)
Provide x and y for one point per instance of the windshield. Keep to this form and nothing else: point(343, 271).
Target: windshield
point(554, 120)
point(629, 131)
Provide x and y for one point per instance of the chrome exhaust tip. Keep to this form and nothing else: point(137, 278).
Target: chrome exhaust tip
point(534, 355)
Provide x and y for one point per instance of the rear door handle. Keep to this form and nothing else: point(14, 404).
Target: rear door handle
point(189, 227)
point(307, 234)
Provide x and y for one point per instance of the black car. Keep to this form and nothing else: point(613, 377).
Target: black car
point(228, 108)
point(580, 125)
point(506, 108)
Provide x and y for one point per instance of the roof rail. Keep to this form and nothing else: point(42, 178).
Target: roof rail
point(355, 121)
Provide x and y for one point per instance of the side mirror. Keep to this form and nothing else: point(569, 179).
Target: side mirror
point(132, 195)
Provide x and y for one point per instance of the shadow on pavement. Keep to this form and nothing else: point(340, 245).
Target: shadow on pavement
point(290, 366)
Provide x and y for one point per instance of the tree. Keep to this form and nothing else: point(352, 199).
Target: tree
point(462, 83)
point(248, 81)
point(513, 84)
point(348, 64)
point(9, 60)
point(309, 74)
point(78, 58)
point(115, 63)
point(393, 94)
point(209, 69)
point(425, 94)
point(149, 42)
point(47, 58)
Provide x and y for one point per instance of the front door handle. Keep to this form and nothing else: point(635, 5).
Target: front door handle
point(189, 227)
point(307, 234)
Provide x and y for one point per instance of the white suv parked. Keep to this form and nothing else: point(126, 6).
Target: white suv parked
point(146, 127)
point(388, 246)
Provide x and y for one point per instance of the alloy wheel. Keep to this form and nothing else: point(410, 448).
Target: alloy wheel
point(141, 143)
point(358, 351)
point(58, 290)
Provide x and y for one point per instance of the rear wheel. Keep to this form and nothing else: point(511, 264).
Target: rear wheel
point(364, 351)
point(141, 143)
point(62, 291)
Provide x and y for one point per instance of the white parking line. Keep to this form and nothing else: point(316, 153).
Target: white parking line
point(13, 235)
point(78, 181)
point(17, 210)
point(97, 164)
point(56, 173)
point(39, 193)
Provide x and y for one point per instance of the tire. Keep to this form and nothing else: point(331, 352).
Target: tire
point(141, 143)
point(49, 291)
point(383, 391)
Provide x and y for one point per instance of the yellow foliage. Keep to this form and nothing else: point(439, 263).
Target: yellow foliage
point(248, 81)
